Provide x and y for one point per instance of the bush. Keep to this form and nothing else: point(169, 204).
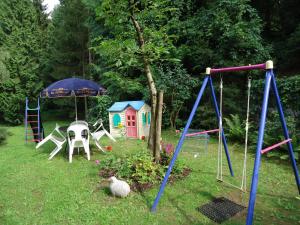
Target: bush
point(3, 135)
point(235, 129)
point(139, 168)
point(274, 134)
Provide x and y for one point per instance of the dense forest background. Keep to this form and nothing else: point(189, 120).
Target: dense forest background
point(96, 40)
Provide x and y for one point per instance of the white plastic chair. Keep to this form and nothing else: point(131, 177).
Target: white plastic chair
point(58, 140)
point(98, 134)
point(79, 139)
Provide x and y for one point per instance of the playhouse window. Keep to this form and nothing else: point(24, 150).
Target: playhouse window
point(116, 120)
point(144, 119)
point(149, 117)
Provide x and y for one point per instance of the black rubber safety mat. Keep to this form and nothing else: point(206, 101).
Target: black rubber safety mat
point(220, 209)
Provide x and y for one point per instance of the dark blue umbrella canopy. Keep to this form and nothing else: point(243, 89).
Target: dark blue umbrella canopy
point(72, 87)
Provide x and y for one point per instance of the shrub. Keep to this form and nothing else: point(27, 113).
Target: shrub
point(274, 134)
point(235, 128)
point(138, 168)
point(166, 154)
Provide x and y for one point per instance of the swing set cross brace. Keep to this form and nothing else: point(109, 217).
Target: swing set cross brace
point(275, 146)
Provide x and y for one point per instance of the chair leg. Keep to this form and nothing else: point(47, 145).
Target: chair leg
point(43, 141)
point(56, 150)
point(87, 150)
point(71, 149)
point(98, 145)
point(110, 136)
point(53, 151)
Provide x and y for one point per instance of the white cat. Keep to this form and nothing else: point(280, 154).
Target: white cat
point(118, 188)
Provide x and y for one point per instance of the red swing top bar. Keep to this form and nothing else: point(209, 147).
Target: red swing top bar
point(263, 66)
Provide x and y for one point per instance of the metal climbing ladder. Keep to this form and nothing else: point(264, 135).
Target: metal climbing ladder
point(33, 124)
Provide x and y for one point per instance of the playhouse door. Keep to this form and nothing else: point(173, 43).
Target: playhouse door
point(131, 127)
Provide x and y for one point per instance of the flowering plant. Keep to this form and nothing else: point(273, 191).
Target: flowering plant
point(167, 151)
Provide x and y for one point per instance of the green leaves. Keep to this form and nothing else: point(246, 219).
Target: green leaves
point(224, 34)
point(236, 129)
point(21, 44)
point(138, 168)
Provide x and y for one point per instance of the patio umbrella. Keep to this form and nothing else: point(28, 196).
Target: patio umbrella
point(73, 87)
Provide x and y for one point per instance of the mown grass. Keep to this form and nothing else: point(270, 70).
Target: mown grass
point(34, 190)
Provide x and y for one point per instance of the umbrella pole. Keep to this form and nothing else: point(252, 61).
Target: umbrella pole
point(75, 108)
point(85, 108)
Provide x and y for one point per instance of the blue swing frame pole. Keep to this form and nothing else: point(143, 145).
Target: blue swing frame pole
point(218, 119)
point(285, 130)
point(39, 124)
point(262, 124)
point(26, 114)
point(178, 148)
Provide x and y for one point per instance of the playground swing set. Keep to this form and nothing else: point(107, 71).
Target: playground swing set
point(270, 83)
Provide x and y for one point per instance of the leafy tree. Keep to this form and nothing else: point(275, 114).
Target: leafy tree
point(68, 38)
point(137, 39)
point(281, 19)
point(290, 59)
point(178, 86)
point(4, 73)
point(67, 52)
point(21, 44)
point(222, 33)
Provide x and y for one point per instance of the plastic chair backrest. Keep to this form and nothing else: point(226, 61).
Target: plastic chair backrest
point(58, 131)
point(100, 122)
point(78, 131)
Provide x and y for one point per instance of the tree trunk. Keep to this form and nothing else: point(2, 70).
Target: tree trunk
point(158, 121)
point(153, 91)
point(172, 124)
point(151, 84)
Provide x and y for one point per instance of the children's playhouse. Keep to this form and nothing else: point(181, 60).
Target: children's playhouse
point(130, 118)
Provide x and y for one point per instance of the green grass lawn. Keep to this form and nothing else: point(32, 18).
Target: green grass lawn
point(34, 190)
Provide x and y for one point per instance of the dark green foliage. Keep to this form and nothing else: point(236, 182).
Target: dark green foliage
point(98, 109)
point(281, 29)
point(118, 50)
point(235, 128)
point(274, 131)
point(21, 45)
point(177, 85)
point(289, 90)
point(67, 45)
point(291, 51)
point(223, 33)
point(274, 134)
